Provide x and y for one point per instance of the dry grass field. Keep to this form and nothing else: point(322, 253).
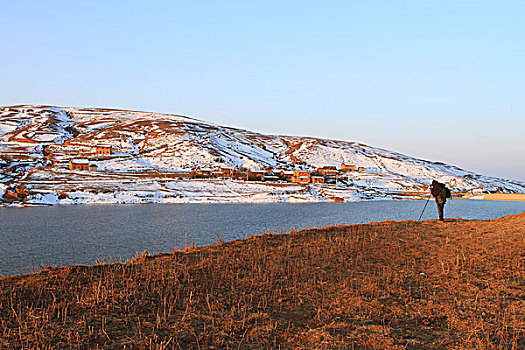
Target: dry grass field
point(393, 285)
point(505, 196)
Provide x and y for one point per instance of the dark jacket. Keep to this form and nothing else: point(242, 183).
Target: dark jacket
point(439, 191)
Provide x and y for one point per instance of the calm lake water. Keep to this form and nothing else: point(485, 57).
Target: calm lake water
point(62, 235)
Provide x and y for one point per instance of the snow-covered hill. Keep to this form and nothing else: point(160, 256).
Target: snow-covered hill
point(153, 156)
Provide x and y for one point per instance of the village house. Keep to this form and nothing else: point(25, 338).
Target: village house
point(240, 173)
point(347, 167)
point(226, 171)
point(317, 179)
point(102, 150)
point(328, 171)
point(202, 173)
point(301, 176)
point(285, 175)
point(80, 164)
point(256, 175)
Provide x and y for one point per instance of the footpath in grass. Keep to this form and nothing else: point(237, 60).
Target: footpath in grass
point(392, 285)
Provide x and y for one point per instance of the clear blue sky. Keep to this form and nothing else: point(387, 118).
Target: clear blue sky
point(439, 80)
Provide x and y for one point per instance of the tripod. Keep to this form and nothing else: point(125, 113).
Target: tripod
point(424, 208)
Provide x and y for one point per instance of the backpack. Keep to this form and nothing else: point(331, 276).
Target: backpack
point(447, 192)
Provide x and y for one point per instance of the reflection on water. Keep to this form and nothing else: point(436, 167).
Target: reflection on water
point(62, 235)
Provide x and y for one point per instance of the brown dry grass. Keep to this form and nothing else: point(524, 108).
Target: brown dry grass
point(505, 196)
point(393, 285)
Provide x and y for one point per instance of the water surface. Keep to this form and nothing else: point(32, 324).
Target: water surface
point(63, 235)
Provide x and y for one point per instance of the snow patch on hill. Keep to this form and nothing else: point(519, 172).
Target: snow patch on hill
point(37, 142)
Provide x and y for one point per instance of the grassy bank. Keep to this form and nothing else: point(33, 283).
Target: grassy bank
point(393, 285)
point(505, 197)
point(513, 197)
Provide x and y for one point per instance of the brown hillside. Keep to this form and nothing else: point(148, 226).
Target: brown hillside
point(393, 285)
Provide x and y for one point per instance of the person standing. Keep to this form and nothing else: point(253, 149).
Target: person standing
point(440, 192)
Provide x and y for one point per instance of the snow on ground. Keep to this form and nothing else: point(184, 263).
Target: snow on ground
point(180, 191)
point(7, 127)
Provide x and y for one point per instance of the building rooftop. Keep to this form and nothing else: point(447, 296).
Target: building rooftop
point(79, 161)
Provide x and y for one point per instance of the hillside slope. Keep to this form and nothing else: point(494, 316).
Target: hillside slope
point(154, 158)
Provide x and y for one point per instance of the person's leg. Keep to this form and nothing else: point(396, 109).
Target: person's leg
point(441, 206)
